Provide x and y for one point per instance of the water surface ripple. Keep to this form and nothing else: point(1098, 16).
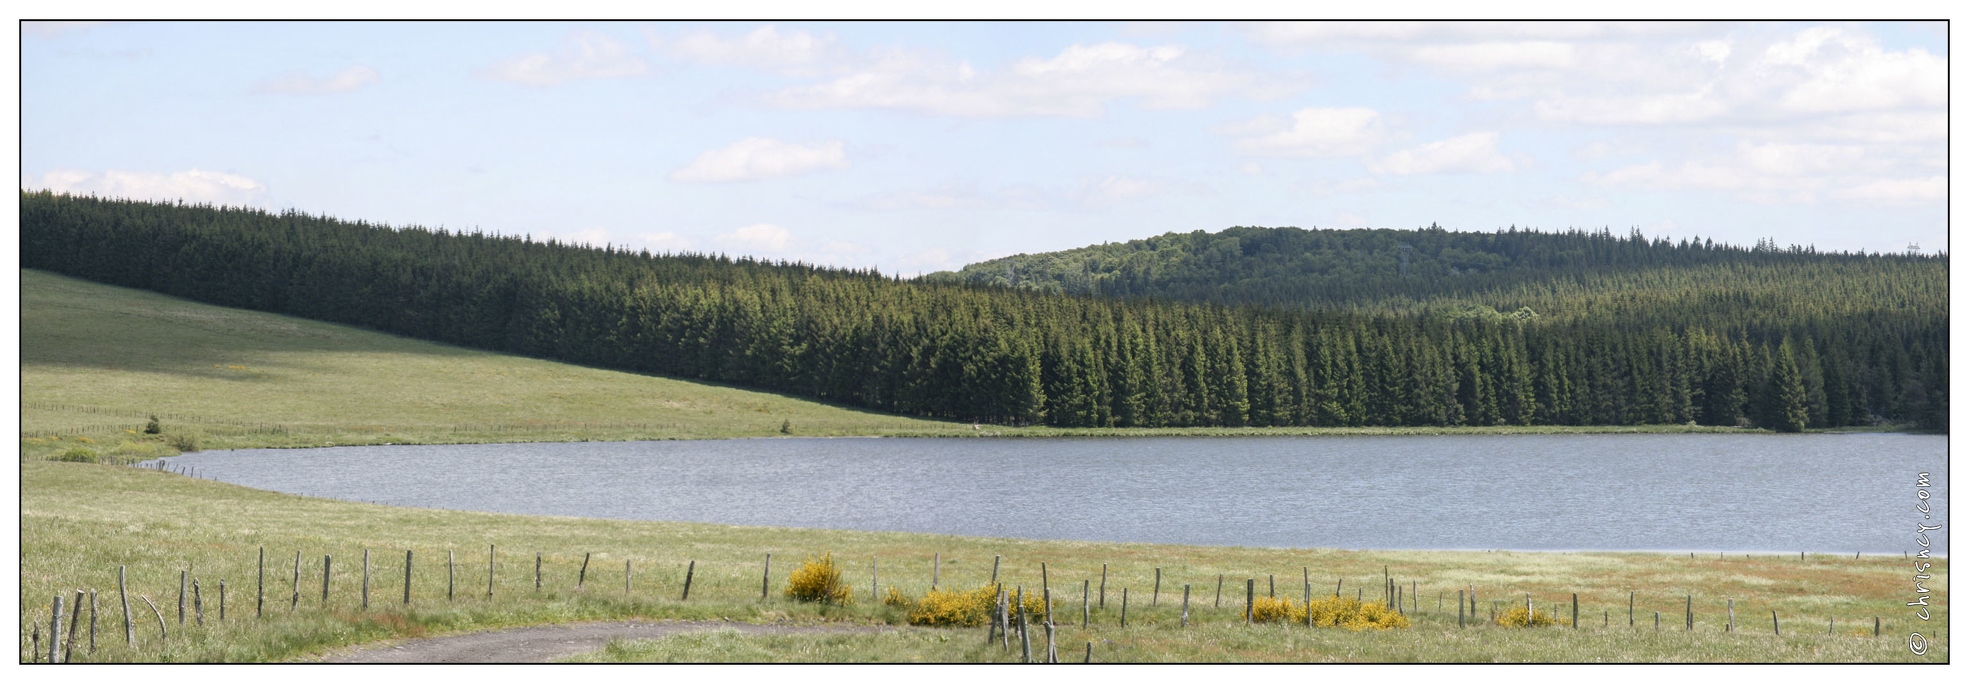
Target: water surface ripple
point(1828, 493)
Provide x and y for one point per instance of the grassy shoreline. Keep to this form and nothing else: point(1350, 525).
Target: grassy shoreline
point(80, 522)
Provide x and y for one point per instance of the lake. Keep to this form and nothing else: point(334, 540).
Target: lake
point(1823, 493)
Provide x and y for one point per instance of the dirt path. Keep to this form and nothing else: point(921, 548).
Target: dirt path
point(548, 642)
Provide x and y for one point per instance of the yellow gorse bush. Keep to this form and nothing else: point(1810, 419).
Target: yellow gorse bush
point(818, 580)
point(955, 608)
point(1328, 612)
point(895, 599)
point(1516, 618)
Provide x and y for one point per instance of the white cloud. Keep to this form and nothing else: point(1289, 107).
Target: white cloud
point(1078, 82)
point(1469, 153)
point(1898, 191)
point(764, 47)
point(1315, 132)
point(583, 55)
point(1843, 71)
point(196, 186)
point(56, 28)
point(758, 237)
point(1128, 143)
point(933, 259)
point(300, 83)
point(1492, 56)
point(1113, 189)
point(844, 248)
point(761, 158)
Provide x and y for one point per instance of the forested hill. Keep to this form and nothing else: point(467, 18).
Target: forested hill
point(1024, 356)
point(1564, 275)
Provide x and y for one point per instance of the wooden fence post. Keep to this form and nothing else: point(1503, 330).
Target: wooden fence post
point(874, 583)
point(197, 603)
point(994, 567)
point(327, 562)
point(1630, 610)
point(123, 593)
point(92, 622)
point(1575, 610)
point(75, 623)
point(55, 632)
point(365, 579)
point(628, 573)
point(450, 575)
point(1690, 616)
point(581, 580)
point(1459, 608)
point(536, 571)
point(491, 553)
point(1186, 606)
point(1124, 607)
point(260, 602)
point(1250, 595)
point(183, 577)
point(1774, 614)
point(1104, 586)
point(936, 568)
point(222, 600)
point(1219, 601)
point(766, 580)
point(296, 601)
point(1084, 605)
point(407, 558)
point(688, 574)
point(1155, 595)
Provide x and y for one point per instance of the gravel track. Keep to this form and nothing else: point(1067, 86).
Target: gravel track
point(548, 642)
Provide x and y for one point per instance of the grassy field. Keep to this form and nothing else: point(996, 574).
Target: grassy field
point(80, 522)
point(98, 360)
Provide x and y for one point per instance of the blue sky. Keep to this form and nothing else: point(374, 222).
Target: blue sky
point(915, 147)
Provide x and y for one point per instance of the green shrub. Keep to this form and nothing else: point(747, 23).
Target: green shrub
point(152, 428)
point(80, 454)
point(183, 441)
point(818, 580)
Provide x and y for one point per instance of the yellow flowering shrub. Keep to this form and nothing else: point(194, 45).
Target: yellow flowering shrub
point(1268, 609)
point(895, 599)
point(818, 580)
point(955, 608)
point(1516, 618)
point(1353, 614)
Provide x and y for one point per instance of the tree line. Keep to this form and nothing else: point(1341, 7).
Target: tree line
point(1005, 354)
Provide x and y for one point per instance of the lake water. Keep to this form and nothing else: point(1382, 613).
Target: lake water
point(1837, 493)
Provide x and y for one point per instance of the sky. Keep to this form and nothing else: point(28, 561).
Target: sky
point(918, 147)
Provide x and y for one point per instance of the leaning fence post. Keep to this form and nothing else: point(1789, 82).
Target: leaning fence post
point(1155, 595)
point(1774, 614)
point(766, 580)
point(123, 593)
point(688, 574)
point(582, 579)
point(994, 567)
point(74, 625)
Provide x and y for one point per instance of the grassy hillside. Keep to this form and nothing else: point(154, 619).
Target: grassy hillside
point(80, 522)
point(98, 360)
